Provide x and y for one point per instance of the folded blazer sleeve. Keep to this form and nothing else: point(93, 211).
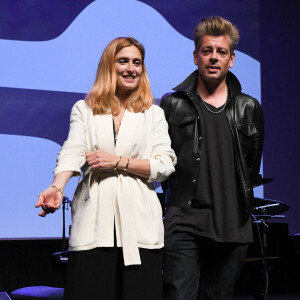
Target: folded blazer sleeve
point(72, 154)
point(162, 159)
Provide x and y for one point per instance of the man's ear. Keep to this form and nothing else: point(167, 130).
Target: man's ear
point(195, 54)
point(232, 57)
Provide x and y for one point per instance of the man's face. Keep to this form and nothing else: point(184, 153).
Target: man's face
point(213, 58)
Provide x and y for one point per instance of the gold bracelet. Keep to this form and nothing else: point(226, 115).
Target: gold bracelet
point(115, 168)
point(57, 189)
point(125, 169)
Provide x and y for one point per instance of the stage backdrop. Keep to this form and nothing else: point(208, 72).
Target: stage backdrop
point(49, 54)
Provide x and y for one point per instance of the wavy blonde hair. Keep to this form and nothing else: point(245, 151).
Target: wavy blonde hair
point(102, 96)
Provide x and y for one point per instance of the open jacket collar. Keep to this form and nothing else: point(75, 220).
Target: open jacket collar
point(190, 84)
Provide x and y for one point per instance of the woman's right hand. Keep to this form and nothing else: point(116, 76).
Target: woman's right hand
point(49, 200)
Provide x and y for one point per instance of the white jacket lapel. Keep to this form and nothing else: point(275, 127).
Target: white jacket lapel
point(104, 134)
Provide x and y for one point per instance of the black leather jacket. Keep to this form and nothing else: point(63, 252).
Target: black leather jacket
point(245, 118)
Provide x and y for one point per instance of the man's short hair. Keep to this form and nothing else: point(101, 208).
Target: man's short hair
point(216, 26)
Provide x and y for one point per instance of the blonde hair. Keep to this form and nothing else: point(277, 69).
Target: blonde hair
point(102, 96)
point(216, 26)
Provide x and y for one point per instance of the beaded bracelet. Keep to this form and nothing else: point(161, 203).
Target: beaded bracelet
point(115, 168)
point(57, 189)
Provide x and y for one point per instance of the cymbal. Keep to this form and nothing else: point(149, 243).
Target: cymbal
point(268, 216)
point(269, 207)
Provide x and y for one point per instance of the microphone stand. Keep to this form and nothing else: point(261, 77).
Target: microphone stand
point(64, 244)
point(62, 257)
point(262, 218)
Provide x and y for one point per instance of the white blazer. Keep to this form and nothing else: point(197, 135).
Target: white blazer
point(104, 199)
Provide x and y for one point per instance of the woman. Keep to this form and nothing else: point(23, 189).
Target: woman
point(120, 143)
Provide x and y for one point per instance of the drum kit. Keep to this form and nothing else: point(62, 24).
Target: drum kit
point(268, 208)
point(264, 209)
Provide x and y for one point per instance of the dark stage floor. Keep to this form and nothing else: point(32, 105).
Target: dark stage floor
point(271, 297)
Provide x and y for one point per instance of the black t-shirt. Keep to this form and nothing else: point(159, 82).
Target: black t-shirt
point(219, 215)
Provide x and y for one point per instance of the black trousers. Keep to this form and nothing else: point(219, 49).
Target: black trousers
point(100, 274)
point(194, 265)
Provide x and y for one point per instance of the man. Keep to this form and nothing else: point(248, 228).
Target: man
point(217, 135)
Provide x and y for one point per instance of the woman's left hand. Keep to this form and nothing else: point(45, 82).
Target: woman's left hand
point(100, 160)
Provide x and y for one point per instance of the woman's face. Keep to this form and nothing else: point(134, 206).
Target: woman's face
point(128, 66)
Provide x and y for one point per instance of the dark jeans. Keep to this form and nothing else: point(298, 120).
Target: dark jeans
point(191, 261)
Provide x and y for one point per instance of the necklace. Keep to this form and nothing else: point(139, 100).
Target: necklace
point(116, 118)
point(213, 112)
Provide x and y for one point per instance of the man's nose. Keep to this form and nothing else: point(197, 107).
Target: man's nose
point(213, 57)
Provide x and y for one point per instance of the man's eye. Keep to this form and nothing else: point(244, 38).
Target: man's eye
point(223, 52)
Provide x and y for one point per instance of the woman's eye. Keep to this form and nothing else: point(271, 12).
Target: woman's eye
point(137, 63)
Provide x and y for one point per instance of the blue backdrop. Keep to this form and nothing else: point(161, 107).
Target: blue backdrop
point(49, 55)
